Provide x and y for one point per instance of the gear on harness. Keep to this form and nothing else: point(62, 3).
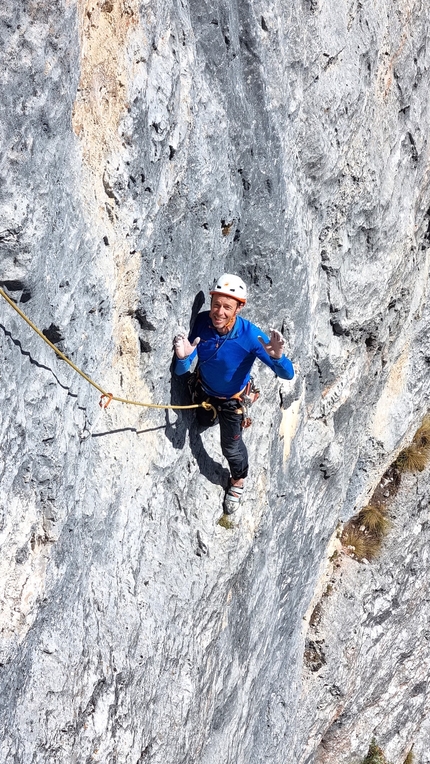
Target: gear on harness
point(245, 397)
point(192, 382)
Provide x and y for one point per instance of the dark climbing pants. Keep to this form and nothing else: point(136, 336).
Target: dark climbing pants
point(230, 423)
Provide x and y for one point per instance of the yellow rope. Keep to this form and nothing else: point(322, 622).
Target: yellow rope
point(103, 392)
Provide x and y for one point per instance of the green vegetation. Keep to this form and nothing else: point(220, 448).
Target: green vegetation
point(226, 522)
point(375, 755)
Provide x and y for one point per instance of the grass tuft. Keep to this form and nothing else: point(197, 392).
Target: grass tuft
point(362, 544)
point(226, 522)
point(416, 457)
point(409, 758)
point(363, 534)
point(374, 520)
point(422, 435)
point(375, 755)
point(412, 459)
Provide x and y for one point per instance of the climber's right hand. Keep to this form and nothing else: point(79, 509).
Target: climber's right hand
point(182, 346)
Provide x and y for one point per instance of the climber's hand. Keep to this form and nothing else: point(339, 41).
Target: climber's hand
point(276, 344)
point(182, 346)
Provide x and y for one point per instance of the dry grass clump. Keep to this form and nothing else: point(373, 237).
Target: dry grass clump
point(375, 755)
point(416, 457)
point(412, 459)
point(422, 435)
point(364, 533)
point(409, 758)
point(374, 520)
point(361, 543)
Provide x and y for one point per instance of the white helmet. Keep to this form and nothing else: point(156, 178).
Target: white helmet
point(231, 286)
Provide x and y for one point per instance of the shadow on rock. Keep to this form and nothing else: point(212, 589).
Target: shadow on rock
point(176, 432)
point(34, 362)
point(127, 429)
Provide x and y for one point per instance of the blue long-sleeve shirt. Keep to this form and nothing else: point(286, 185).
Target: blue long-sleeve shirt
point(225, 361)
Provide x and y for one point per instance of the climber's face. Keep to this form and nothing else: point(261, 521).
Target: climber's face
point(223, 312)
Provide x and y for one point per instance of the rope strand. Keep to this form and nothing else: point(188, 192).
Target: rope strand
point(103, 392)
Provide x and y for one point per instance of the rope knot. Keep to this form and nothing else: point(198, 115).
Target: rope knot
point(208, 406)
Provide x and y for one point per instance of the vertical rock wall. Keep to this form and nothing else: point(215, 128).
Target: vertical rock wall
point(146, 148)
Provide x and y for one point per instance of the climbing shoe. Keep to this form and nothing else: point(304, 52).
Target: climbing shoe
point(232, 499)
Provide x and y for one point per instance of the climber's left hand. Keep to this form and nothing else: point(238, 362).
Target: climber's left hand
point(276, 344)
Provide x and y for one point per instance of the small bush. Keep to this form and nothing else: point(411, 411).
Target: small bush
point(374, 520)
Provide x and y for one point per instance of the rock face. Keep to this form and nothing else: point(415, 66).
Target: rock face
point(148, 147)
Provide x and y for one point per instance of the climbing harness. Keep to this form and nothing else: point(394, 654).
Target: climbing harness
point(104, 395)
point(245, 397)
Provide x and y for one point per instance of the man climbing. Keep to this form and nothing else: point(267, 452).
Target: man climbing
point(227, 345)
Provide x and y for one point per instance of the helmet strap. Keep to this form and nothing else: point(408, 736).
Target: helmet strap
point(230, 324)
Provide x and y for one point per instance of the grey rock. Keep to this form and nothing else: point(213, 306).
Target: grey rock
point(147, 148)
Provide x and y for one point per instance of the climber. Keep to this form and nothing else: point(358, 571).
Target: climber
point(226, 346)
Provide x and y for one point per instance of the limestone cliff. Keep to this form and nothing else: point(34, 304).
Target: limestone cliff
point(147, 147)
